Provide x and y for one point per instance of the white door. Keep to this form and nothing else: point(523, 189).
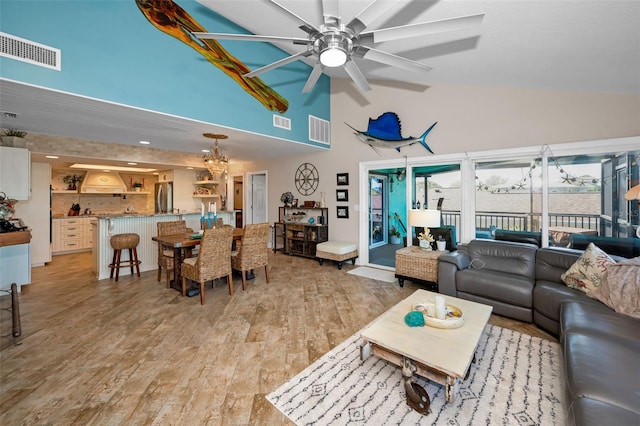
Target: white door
point(257, 198)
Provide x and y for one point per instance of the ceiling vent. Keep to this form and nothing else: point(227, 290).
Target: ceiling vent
point(29, 51)
point(319, 130)
point(281, 122)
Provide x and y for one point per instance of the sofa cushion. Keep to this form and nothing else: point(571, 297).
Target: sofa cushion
point(501, 286)
point(552, 262)
point(587, 272)
point(601, 368)
point(503, 256)
point(620, 287)
point(548, 296)
point(593, 318)
point(589, 412)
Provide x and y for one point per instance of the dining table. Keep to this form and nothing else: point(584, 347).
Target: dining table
point(182, 244)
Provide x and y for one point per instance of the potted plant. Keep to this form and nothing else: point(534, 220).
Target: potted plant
point(13, 138)
point(395, 237)
point(71, 181)
point(137, 186)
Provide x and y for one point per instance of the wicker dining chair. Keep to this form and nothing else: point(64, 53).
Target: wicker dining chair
point(213, 260)
point(253, 251)
point(165, 256)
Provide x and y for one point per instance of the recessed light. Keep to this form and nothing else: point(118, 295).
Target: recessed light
point(112, 168)
point(132, 164)
point(205, 150)
point(106, 170)
point(52, 156)
point(145, 142)
point(189, 168)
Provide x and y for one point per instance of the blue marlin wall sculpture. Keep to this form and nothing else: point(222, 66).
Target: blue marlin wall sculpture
point(384, 132)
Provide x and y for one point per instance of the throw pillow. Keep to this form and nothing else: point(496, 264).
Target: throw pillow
point(620, 289)
point(587, 272)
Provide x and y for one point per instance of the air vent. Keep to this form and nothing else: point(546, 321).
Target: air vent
point(281, 122)
point(29, 51)
point(319, 130)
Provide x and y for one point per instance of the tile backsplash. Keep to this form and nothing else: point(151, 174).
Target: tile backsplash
point(101, 204)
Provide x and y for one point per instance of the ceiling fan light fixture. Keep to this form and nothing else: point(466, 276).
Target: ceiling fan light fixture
point(334, 54)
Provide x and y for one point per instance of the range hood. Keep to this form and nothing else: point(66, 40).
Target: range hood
point(102, 183)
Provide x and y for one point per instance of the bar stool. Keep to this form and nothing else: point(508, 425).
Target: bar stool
point(121, 242)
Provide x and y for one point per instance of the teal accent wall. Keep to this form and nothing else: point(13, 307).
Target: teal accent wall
point(398, 203)
point(111, 52)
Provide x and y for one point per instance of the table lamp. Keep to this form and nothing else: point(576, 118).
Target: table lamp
point(424, 219)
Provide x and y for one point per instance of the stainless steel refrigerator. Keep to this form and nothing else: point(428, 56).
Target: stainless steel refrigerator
point(164, 197)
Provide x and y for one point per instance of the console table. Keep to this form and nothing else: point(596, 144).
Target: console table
point(418, 265)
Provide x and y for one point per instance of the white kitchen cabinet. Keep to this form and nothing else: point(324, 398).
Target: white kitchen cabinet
point(72, 234)
point(15, 172)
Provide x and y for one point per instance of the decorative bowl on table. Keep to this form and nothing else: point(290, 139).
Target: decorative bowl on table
point(453, 317)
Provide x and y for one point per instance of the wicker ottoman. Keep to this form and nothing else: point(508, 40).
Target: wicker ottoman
point(338, 251)
point(419, 265)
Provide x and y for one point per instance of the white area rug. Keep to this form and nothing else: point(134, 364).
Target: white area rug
point(516, 380)
point(373, 273)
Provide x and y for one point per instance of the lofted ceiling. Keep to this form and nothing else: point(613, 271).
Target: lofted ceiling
point(587, 46)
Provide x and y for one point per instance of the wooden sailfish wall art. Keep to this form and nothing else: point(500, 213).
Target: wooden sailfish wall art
point(385, 132)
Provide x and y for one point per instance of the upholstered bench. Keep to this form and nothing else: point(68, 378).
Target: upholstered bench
point(338, 251)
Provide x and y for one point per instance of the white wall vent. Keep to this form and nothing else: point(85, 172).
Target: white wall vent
point(29, 51)
point(281, 122)
point(319, 130)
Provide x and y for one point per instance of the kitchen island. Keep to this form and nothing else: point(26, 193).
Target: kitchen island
point(145, 225)
point(15, 259)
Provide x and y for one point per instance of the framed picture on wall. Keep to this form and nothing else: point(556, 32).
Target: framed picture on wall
point(343, 212)
point(342, 178)
point(342, 195)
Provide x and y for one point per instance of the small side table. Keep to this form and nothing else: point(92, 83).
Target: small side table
point(418, 265)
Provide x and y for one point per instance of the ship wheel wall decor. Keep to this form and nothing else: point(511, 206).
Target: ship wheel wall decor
point(307, 179)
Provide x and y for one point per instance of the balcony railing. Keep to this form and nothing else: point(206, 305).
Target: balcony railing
point(521, 221)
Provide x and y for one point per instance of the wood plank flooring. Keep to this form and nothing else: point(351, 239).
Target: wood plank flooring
point(134, 352)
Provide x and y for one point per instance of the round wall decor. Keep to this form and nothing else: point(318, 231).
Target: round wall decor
point(306, 179)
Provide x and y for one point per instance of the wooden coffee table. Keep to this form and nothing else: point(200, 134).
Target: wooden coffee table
point(438, 354)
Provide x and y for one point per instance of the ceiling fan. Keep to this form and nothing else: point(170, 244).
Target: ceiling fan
point(335, 44)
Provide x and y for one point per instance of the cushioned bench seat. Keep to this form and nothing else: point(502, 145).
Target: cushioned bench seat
point(338, 251)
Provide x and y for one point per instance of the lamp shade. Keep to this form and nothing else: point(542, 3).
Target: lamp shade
point(424, 218)
point(633, 193)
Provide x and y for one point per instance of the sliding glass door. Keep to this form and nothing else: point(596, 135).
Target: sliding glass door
point(378, 210)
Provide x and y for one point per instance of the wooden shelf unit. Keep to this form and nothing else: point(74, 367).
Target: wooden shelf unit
point(301, 237)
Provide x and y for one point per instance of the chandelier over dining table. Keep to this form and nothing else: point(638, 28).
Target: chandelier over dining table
point(216, 161)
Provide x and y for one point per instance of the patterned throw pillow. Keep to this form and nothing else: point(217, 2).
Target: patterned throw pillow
point(586, 274)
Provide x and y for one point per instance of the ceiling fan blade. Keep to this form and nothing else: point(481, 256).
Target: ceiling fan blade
point(415, 30)
point(330, 12)
point(390, 59)
point(313, 78)
point(279, 63)
point(249, 37)
point(308, 27)
point(369, 14)
point(356, 75)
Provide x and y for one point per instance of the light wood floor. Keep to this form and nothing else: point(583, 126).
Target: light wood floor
point(134, 352)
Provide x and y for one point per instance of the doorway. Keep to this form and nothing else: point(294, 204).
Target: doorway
point(237, 199)
point(256, 197)
point(378, 211)
point(387, 207)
